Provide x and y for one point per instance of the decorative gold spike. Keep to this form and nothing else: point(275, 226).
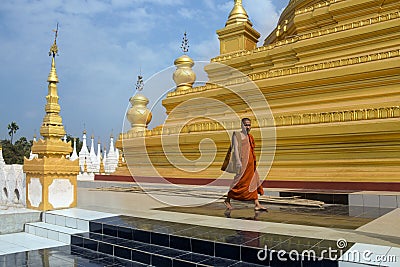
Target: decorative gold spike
point(185, 44)
point(54, 49)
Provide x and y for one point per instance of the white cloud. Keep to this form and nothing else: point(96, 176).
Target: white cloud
point(103, 44)
point(264, 16)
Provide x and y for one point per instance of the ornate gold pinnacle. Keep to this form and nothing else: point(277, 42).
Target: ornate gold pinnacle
point(52, 128)
point(185, 43)
point(54, 49)
point(238, 14)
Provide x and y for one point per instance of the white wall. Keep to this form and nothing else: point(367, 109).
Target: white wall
point(12, 186)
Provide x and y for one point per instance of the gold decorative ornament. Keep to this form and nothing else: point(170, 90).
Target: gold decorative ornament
point(51, 170)
point(184, 77)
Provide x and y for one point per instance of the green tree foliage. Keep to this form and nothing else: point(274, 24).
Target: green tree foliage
point(12, 129)
point(79, 143)
point(15, 153)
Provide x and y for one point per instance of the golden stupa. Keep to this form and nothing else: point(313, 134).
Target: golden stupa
point(51, 178)
point(330, 73)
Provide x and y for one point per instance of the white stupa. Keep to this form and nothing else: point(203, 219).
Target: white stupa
point(112, 158)
point(2, 162)
point(84, 154)
point(94, 166)
point(74, 155)
point(32, 155)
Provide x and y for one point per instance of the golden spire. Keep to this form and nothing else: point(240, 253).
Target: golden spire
point(53, 52)
point(52, 126)
point(238, 14)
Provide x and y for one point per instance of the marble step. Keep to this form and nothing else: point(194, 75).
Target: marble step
point(149, 254)
point(208, 241)
point(73, 218)
point(52, 231)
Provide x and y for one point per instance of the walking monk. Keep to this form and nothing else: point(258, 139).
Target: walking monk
point(246, 184)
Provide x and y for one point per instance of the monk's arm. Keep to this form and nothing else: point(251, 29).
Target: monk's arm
point(236, 152)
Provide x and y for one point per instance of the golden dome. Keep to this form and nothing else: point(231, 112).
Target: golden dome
point(184, 60)
point(137, 98)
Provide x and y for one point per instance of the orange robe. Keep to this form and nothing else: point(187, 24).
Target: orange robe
point(246, 185)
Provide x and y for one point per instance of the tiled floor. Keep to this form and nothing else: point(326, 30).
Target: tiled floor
point(20, 242)
point(150, 233)
point(332, 216)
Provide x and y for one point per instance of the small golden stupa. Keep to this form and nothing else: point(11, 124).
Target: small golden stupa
point(51, 179)
point(184, 76)
point(139, 115)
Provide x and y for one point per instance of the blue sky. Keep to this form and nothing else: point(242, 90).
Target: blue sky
point(103, 45)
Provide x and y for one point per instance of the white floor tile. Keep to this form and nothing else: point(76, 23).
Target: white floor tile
point(71, 222)
point(83, 225)
point(18, 242)
point(60, 220)
point(82, 214)
point(392, 258)
point(64, 238)
point(50, 218)
point(365, 254)
point(52, 235)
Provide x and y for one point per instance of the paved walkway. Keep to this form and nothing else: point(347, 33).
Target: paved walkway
point(142, 205)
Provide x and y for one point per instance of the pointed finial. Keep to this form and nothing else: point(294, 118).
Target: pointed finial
point(238, 14)
point(54, 49)
point(139, 83)
point(185, 43)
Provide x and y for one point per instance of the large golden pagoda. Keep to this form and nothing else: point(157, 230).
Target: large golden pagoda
point(330, 73)
point(51, 178)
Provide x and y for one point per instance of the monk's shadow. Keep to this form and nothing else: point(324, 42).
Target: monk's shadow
point(228, 214)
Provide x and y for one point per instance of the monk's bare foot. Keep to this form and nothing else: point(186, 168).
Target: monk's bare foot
point(228, 205)
point(260, 208)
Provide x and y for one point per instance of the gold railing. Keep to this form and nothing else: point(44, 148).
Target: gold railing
point(313, 34)
point(296, 70)
point(285, 120)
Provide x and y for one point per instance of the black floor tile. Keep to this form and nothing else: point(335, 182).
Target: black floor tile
point(178, 242)
point(95, 227)
point(160, 239)
point(123, 252)
point(125, 232)
point(110, 230)
point(319, 263)
point(141, 236)
point(162, 261)
point(90, 244)
point(140, 256)
point(106, 248)
point(227, 251)
point(205, 247)
point(245, 264)
point(170, 252)
point(194, 257)
point(76, 240)
point(183, 263)
point(254, 255)
point(217, 262)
